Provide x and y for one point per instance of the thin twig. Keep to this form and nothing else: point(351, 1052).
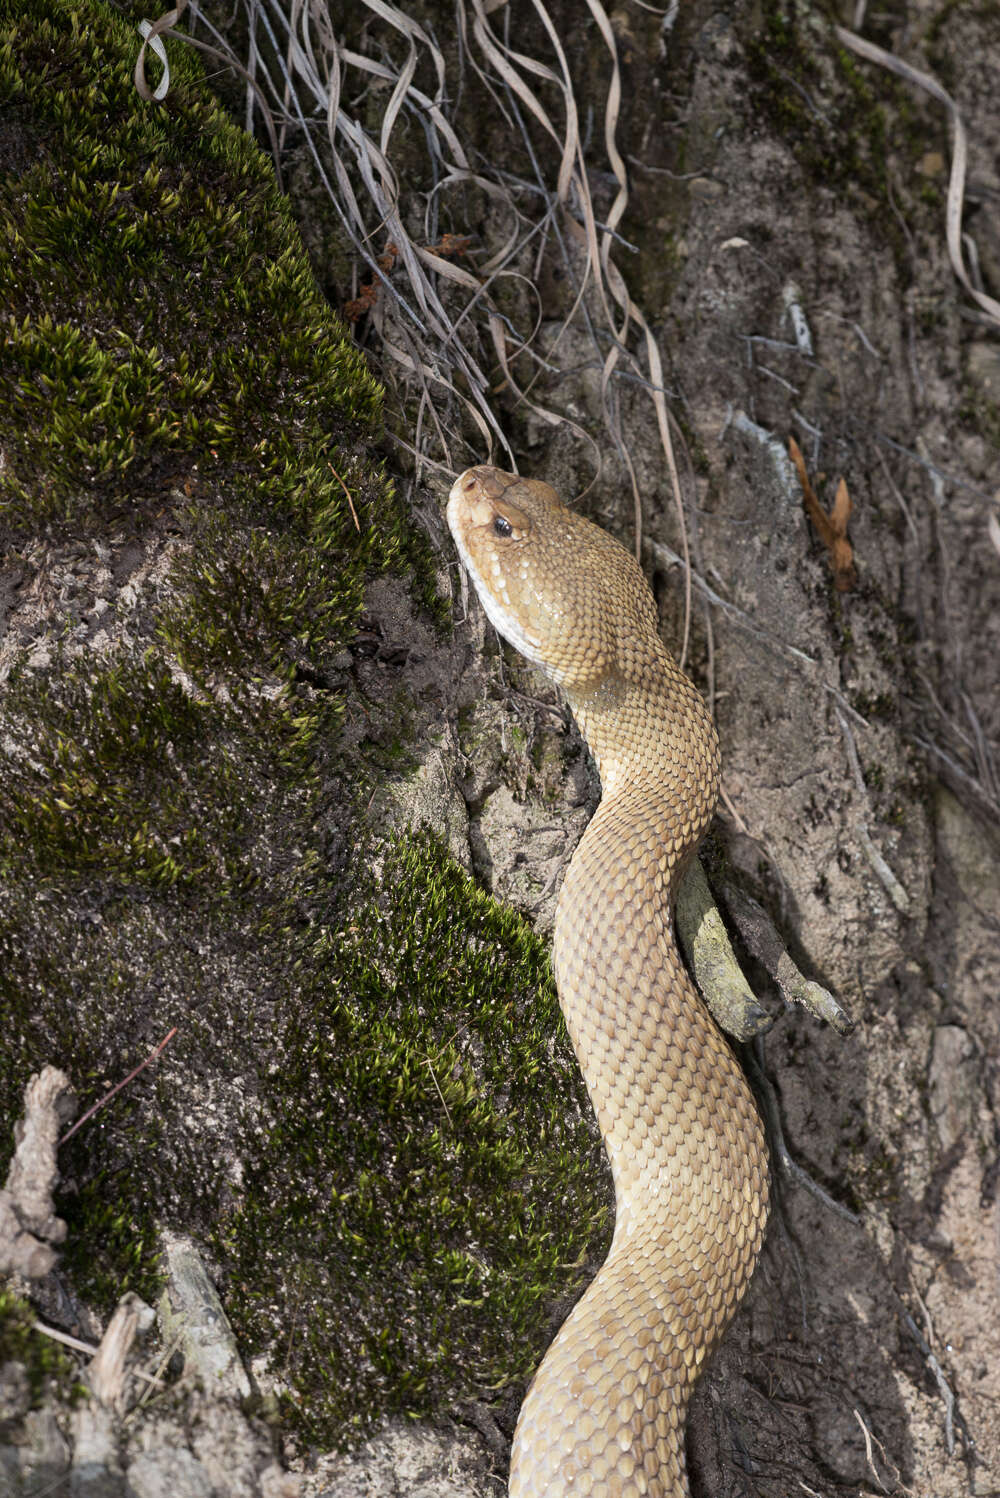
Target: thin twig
point(959, 157)
point(897, 894)
point(868, 1452)
point(74, 1342)
point(347, 493)
point(437, 1089)
point(951, 1415)
point(119, 1085)
point(790, 1168)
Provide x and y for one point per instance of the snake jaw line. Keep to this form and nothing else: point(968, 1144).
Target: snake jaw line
point(607, 1407)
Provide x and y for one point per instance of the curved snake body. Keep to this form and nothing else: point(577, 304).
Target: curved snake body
point(605, 1414)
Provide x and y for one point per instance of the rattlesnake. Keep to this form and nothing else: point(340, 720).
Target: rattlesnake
point(605, 1414)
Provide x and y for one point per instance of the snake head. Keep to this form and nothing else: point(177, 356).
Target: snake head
point(551, 582)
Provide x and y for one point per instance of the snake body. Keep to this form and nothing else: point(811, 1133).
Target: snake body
point(605, 1414)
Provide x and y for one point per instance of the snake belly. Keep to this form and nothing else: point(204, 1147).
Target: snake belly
point(605, 1413)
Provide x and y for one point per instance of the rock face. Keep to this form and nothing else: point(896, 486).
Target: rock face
point(368, 1117)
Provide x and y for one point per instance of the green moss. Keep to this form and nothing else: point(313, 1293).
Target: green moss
point(839, 127)
point(163, 338)
point(158, 310)
point(106, 774)
point(108, 1212)
point(257, 600)
point(419, 1169)
point(881, 706)
point(48, 1368)
point(367, 1106)
point(874, 777)
point(431, 1168)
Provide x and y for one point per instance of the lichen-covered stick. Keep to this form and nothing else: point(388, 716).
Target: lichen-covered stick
point(605, 1414)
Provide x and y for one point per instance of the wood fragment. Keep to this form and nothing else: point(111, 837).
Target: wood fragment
point(710, 956)
point(763, 941)
point(191, 1312)
point(108, 1374)
point(29, 1226)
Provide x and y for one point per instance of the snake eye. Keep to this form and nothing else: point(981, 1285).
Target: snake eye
point(502, 526)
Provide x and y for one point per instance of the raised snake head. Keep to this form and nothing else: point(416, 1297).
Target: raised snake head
point(565, 594)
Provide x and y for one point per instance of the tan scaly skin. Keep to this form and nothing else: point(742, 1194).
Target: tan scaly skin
point(605, 1414)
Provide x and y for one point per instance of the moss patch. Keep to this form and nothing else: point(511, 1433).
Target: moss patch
point(158, 310)
point(840, 122)
point(446, 1165)
point(47, 1368)
point(369, 1108)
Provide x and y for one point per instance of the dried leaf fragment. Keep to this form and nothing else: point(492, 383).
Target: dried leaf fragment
point(832, 528)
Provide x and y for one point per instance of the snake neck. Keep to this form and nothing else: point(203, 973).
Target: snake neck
point(624, 991)
point(650, 1053)
point(648, 724)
